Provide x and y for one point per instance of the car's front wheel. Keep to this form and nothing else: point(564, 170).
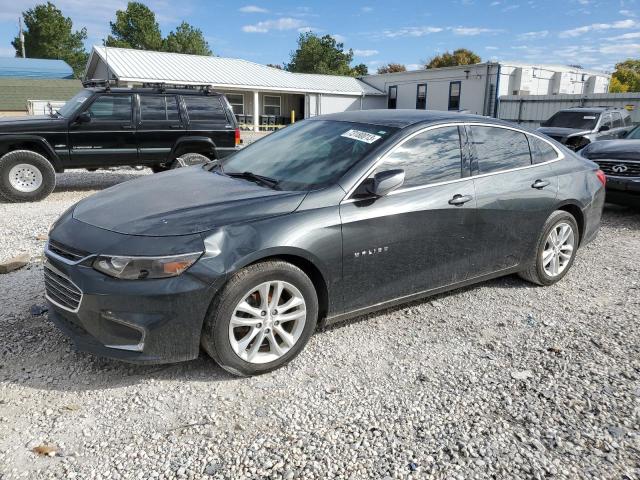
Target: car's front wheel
point(262, 319)
point(26, 176)
point(555, 251)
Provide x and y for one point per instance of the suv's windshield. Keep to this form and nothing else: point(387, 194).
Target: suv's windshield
point(309, 154)
point(634, 134)
point(579, 120)
point(76, 102)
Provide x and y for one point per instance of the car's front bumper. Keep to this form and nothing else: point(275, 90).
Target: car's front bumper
point(625, 190)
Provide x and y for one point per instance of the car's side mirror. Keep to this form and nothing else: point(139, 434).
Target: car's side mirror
point(604, 128)
point(385, 182)
point(84, 117)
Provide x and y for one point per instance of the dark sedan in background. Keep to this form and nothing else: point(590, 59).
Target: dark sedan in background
point(327, 219)
point(620, 161)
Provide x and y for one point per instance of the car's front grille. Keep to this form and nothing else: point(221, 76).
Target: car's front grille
point(65, 251)
point(619, 168)
point(60, 290)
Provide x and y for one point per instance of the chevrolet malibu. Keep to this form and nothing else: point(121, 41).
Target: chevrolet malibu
point(327, 219)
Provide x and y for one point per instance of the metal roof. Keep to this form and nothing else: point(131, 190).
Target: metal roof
point(141, 66)
point(34, 68)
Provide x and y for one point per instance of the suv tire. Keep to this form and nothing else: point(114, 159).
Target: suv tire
point(230, 342)
point(26, 176)
point(189, 159)
point(554, 258)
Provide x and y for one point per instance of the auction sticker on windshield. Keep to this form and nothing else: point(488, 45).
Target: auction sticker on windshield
point(361, 136)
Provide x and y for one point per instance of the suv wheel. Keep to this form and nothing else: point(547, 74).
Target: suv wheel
point(26, 176)
point(262, 319)
point(189, 159)
point(555, 251)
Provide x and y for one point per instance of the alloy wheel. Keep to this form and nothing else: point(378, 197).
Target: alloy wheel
point(25, 178)
point(558, 249)
point(267, 322)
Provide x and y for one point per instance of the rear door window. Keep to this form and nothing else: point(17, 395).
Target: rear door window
point(617, 120)
point(496, 149)
point(606, 120)
point(541, 151)
point(159, 108)
point(430, 157)
point(205, 109)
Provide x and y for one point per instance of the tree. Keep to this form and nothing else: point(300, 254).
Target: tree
point(461, 56)
point(186, 39)
point(273, 65)
point(135, 27)
point(626, 77)
point(360, 70)
point(322, 55)
point(392, 68)
point(49, 34)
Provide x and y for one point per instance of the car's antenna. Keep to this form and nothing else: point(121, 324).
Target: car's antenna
point(106, 59)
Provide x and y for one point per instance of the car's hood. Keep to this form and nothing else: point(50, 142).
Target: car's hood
point(182, 201)
point(561, 131)
point(614, 149)
point(28, 123)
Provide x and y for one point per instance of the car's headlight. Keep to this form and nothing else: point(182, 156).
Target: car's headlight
point(138, 268)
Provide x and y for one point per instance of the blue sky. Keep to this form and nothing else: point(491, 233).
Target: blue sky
point(593, 33)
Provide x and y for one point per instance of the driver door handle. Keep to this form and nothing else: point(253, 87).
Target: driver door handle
point(459, 200)
point(128, 127)
point(540, 184)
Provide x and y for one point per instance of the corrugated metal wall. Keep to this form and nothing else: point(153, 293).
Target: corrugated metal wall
point(530, 110)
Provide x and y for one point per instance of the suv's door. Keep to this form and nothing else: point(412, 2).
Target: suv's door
point(208, 118)
point(108, 138)
point(159, 127)
point(418, 237)
point(605, 121)
point(618, 128)
point(514, 195)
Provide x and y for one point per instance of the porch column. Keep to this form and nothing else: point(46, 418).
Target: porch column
point(256, 111)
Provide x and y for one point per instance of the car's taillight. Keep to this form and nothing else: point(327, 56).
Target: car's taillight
point(601, 176)
point(237, 137)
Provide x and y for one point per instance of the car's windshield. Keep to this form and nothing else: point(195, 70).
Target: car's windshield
point(634, 134)
point(76, 102)
point(308, 155)
point(580, 120)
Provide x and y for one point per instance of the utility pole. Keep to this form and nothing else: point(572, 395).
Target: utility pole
point(21, 37)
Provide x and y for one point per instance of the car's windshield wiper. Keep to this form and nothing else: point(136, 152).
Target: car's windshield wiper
point(261, 179)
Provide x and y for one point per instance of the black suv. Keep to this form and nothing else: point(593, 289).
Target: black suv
point(579, 126)
point(102, 127)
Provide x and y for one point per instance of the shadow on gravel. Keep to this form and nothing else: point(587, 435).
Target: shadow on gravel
point(83, 181)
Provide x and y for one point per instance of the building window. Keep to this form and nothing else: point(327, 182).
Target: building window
point(421, 97)
point(272, 105)
point(236, 100)
point(393, 97)
point(454, 95)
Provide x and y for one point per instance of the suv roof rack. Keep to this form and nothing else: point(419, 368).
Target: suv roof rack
point(97, 82)
point(176, 86)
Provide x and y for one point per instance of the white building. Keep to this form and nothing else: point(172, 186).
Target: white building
point(258, 94)
point(476, 88)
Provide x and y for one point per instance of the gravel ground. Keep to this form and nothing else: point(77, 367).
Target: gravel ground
point(500, 380)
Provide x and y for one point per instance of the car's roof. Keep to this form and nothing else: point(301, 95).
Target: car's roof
point(404, 118)
point(178, 91)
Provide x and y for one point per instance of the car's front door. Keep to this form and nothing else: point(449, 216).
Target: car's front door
point(605, 129)
point(159, 127)
point(419, 236)
point(515, 194)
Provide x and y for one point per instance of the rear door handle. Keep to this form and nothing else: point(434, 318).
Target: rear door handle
point(176, 126)
point(459, 200)
point(128, 127)
point(540, 184)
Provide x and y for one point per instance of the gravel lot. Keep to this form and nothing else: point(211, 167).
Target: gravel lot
point(501, 380)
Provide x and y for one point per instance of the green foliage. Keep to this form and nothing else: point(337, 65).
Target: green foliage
point(322, 55)
point(186, 39)
point(135, 27)
point(461, 56)
point(392, 68)
point(49, 34)
point(360, 70)
point(626, 78)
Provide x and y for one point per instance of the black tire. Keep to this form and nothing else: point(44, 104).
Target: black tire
point(189, 159)
point(535, 272)
point(34, 161)
point(215, 334)
point(160, 167)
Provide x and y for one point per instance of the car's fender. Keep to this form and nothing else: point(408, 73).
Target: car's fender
point(42, 147)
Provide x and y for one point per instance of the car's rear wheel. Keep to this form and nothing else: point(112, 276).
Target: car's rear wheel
point(262, 319)
point(556, 250)
point(189, 159)
point(26, 176)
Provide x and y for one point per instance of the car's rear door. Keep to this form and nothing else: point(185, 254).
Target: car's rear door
point(418, 237)
point(208, 119)
point(109, 138)
point(159, 127)
point(515, 194)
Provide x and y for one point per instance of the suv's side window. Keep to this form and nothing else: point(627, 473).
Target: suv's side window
point(205, 109)
point(606, 120)
point(499, 149)
point(111, 108)
point(158, 108)
point(541, 151)
point(617, 120)
point(429, 157)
